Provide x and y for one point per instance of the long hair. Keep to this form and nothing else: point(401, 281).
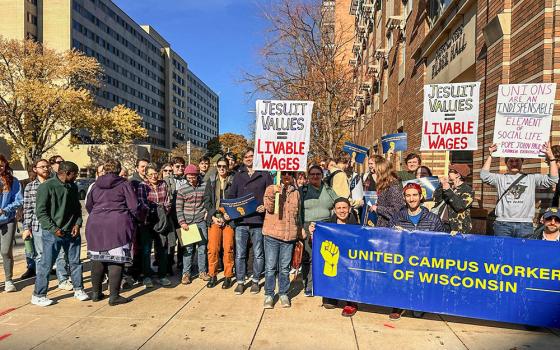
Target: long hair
point(7, 177)
point(386, 175)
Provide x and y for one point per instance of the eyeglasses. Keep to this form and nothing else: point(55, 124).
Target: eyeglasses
point(58, 162)
point(557, 220)
point(167, 170)
point(178, 166)
point(44, 167)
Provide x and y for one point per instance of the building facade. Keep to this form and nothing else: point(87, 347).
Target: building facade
point(141, 70)
point(401, 45)
point(203, 108)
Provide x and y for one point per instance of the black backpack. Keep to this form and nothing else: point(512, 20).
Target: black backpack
point(329, 178)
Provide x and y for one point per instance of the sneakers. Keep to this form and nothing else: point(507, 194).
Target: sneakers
point(285, 301)
point(308, 293)
point(227, 283)
point(81, 295)
point(186, 279)
point(349, 310)
point(9, 287)
point(148, 282)
point(41, 301)
point(396, 314)
point(126, 283)
point(255, 288)
point(66, 285)
point(268, 302)
point(204, 276)
point(212, 282)
point(239, 289)
point(164, 282)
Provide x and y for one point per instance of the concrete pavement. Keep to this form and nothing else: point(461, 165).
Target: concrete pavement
point(196, 317)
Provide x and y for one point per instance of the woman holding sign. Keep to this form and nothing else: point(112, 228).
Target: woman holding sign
point(390, 199)
point(280, 231)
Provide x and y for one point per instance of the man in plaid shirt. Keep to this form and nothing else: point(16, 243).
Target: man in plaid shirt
point(31, 227)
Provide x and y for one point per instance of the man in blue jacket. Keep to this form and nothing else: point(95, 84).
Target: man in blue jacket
point(248, 181)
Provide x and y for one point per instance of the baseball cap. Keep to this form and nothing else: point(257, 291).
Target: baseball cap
point(550, 212)
point(462, 169)
point(412, 185)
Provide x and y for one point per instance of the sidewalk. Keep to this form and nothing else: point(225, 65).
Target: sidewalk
point(196, 317)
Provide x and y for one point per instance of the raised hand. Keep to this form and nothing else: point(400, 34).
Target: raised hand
point(330, 253)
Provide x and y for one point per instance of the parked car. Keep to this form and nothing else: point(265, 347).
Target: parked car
point(83, 185)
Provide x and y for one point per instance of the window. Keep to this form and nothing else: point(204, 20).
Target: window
point(435, 9)
point(407, 8)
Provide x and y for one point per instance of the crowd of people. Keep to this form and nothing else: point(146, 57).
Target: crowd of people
point(150, 210)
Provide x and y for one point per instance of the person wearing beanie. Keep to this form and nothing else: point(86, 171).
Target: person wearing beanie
point(454, 199)
point(191, 210)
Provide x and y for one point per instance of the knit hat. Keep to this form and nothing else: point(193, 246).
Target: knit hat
point(462, 169)
point(191, 169)
point(413, 185)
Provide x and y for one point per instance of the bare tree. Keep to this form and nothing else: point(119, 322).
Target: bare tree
point(305, 57)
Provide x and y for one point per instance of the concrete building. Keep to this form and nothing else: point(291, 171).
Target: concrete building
point(402, 45)
point(142, 71)
point(203, 108)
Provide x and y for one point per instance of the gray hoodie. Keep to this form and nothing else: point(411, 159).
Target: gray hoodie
point(518, 205)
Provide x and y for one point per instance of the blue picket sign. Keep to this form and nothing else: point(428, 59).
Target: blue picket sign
point(493, 278)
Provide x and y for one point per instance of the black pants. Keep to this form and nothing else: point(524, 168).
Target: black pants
point(114, 271)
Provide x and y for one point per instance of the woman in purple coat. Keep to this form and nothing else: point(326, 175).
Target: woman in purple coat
point(112, 207)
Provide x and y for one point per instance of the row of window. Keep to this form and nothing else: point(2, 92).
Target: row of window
point(200, 86)
point(178, 102)
point(122, 101)
point(179, 125)
point(200, 107)
point(202, 99)
point(204, 117)
point(179, 66)
point(138, 34)
point(178, 91)
point(119, 38)
point(178, 79)
point(179, 113)
point(31, 18)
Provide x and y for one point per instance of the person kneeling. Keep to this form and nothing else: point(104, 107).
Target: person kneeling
point(342, 215)
point(414, 217)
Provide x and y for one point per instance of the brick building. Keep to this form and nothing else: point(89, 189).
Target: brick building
point(401, 45)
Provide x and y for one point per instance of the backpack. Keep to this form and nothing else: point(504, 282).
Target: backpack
point(329, 178)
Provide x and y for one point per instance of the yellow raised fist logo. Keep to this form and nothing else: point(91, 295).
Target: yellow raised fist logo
point(330, 253)
point(370, 223)
point(391, 146)
point(240, 210)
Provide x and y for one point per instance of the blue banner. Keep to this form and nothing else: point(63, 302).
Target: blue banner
point(239, 207)
point(394, 142)
point(493, 278)
point(428, 184)
point(359, 152)
point(369, 218)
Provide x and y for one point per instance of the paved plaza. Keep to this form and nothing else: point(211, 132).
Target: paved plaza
point(195, 317)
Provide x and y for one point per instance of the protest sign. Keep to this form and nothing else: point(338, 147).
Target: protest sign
point(369, 218)
point(282, 135)
point(523, 118)
point(450, 121)
point(428, 184)
point(394, 142)
point(494, 278)
point(239, 207)
point(358, 152)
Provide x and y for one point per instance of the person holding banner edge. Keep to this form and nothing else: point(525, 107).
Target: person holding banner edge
point(220, 233)
point(280, 231)
point(515, 207)
point(248, 181)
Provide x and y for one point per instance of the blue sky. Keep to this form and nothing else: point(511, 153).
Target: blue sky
point(218, 39)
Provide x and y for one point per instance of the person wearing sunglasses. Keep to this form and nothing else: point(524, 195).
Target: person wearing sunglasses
point(220, 232)
point(166, 171)
point(551, 226)
point(55, 161)
point(175, 180)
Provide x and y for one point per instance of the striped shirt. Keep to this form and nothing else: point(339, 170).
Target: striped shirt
point(30, 221)
point(190, 204)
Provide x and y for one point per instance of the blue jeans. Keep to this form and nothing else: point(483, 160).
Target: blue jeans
point(61, 264)
point(242, 234)
point(52, 245)
point(201, 252)
point(513, 229)
point(278, 256)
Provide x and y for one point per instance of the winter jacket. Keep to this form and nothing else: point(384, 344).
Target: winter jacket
point(58, 205)
point(289, 228)
point(212, 195)
point(256, 185)
point(428, 221)
point(10, 201)
point(389, 202)
point(458, 203)
point(112, 206)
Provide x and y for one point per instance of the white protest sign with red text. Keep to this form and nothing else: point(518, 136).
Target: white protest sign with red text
point(450, 120)
point(282, 135)
point(523, 118)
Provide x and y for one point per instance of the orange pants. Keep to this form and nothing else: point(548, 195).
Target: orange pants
point(216, 237)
